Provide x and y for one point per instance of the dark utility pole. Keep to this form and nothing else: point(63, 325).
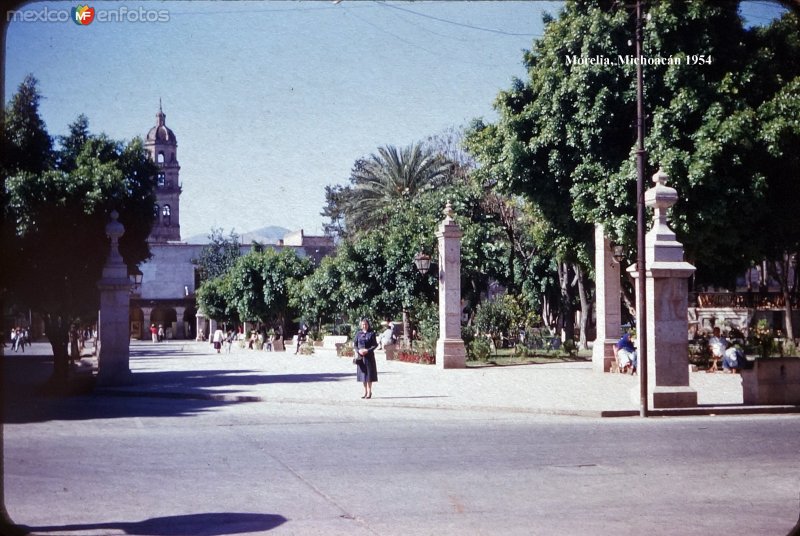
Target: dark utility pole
point(640, 213)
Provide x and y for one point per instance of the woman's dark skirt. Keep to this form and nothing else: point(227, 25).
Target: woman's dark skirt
point(367, 369)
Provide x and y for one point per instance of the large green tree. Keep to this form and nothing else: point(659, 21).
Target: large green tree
point(262, 284)
point(565, 138)
point(54, 219)
point(373, 273)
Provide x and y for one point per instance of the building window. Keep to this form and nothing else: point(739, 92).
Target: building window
point(156, 212)
point(162, 178)
point(167, 215)
point(160, 157)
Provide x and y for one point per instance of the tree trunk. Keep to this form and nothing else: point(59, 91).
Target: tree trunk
point(586, 309)
point(780, 270)
point(565, 313)
point(58, 335)
point(406, 333)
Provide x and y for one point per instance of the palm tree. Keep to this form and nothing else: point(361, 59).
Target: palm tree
point(391, 176)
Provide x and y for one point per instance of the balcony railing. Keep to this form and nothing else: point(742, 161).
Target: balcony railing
point(741, 300)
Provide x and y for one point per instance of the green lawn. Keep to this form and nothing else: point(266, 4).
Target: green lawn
point(506, 357)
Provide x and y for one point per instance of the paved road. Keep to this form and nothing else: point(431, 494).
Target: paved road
point(194, 466)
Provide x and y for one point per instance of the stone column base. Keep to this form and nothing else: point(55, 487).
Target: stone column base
point(450, 353)
point(107, 378)
point(603, 355)
point(672, 397)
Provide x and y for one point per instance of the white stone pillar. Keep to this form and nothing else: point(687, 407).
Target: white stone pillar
point(113, 359)
point(450, 350)
point(667, 293)
point(201, 326)
point(607, 300)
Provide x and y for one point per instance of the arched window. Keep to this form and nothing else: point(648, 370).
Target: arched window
point(161, 178)
point(160, 157)
point(167, 215)
point(156, 211)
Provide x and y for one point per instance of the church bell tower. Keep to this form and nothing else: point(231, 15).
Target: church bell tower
point(163, 148)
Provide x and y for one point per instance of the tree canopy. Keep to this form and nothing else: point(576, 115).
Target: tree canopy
point(565, 137)
point(56, 208)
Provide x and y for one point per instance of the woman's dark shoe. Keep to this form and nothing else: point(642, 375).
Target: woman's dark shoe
point(369, 395)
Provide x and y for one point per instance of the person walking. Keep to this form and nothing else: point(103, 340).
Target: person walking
point(229, 340)
point(364, 344)
point(153, 333)
point(217, 339)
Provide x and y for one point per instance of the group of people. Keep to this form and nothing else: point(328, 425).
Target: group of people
point(732, 357)
point(157, 333)
point(19, 338)
point(258, 338)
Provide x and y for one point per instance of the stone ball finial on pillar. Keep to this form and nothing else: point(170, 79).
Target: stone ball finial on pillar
point(448, 211)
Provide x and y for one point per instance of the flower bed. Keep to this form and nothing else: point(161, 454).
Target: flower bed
point(413, 356)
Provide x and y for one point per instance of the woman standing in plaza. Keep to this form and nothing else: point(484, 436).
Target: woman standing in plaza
point(366, 368)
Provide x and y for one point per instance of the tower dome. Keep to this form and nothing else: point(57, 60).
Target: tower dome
point(161, 133)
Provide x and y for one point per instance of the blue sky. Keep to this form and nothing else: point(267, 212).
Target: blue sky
point(271, 101)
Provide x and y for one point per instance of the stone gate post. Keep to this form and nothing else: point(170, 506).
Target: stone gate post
point(608, 316)
point(450, 350)
point(113, 358)
point(667, 293)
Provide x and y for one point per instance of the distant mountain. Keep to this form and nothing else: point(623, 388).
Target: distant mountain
point(266, 235)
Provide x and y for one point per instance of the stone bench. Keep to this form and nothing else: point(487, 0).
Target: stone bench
point(772, 381)
point(333, 342)
point(391, 351)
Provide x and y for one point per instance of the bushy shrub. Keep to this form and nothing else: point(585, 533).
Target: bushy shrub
point(345, 350)
point(307, 348)
point(762, 339)
point(521, 350)
point(426, 315)
point(479, 349)
point(415, 356)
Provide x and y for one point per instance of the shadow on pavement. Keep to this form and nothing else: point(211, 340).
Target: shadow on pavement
point(217, 524)
point(29, 398)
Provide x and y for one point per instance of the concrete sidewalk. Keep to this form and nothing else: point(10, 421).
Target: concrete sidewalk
point(187, 369)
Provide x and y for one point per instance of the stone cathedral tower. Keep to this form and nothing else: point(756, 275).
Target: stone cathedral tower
point(162, 146)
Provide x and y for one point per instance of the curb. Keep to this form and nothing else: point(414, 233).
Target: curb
point(710, 411)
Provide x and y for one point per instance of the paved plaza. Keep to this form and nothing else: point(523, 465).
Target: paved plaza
point(193, 369)
point(253, 442)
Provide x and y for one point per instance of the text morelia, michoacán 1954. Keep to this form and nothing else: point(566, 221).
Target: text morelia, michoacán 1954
point(692, 59)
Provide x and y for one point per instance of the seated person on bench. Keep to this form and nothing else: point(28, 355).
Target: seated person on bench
point(733, 359)
point(626, 354)
point(717, 344)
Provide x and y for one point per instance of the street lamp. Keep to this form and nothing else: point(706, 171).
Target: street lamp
point(135, 275)
point(422, 262)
